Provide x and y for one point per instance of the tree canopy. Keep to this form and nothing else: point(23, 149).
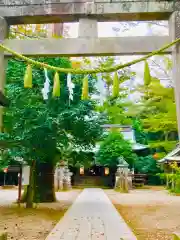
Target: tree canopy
point(146, 165)
point(114, 146)
point(159, 111)
point(156, 110)
point(45, 128)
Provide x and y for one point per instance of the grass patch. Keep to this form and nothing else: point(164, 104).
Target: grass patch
point(151, 187)
point(120, 190)
point(63, 190)
point(42, 212)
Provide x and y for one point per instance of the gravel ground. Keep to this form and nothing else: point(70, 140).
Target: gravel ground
point(152, 214)
point(26, 224)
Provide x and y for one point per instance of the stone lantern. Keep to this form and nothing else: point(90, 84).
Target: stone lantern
point(59, 175)
point(122, 164)
point(122, 175)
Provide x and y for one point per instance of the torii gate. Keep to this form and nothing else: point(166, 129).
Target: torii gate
point(14, 12)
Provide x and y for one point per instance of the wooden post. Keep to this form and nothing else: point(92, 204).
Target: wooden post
point(4, 30)
point(172, 181)
point(167, 181)
point(19, 185)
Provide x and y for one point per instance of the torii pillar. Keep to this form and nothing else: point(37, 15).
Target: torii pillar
point(174, 31)
point(4, 31)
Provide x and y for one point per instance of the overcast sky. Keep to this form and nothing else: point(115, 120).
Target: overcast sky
point(106, 30)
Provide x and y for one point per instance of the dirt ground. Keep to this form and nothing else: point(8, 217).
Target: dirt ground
point(27, 224)
point(153, 214)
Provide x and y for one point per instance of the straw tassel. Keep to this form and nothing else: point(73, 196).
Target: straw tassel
point(56, 86)
point(85, 89)
point(147, 75)
point(115, 85)
point(28, 77)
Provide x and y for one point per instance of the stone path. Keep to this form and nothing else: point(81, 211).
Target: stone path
point(92, 217)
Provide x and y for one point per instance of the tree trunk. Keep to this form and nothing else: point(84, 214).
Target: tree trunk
point(44, 191)
point(42, 188)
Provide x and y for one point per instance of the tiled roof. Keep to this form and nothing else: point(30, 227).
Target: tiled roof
point(172, 156)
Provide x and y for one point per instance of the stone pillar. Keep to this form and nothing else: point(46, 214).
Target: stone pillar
point(69, 180)
point(61, 176)
point(87, 28)
point(130, 180)
point(122, 180)
point(4, 31)
point(174, 31)
point(118, 180)
point(66, 179)
point(56, 179)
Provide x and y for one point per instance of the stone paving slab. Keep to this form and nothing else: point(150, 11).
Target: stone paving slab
point(92, 217)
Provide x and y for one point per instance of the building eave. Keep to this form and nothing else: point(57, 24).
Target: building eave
point(171, 157)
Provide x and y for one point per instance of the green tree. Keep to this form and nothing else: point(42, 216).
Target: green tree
point(141, 136)
point(44, 128)
point(146, 165)
point(157, 111)
point(112, 148)
point(115, 108)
